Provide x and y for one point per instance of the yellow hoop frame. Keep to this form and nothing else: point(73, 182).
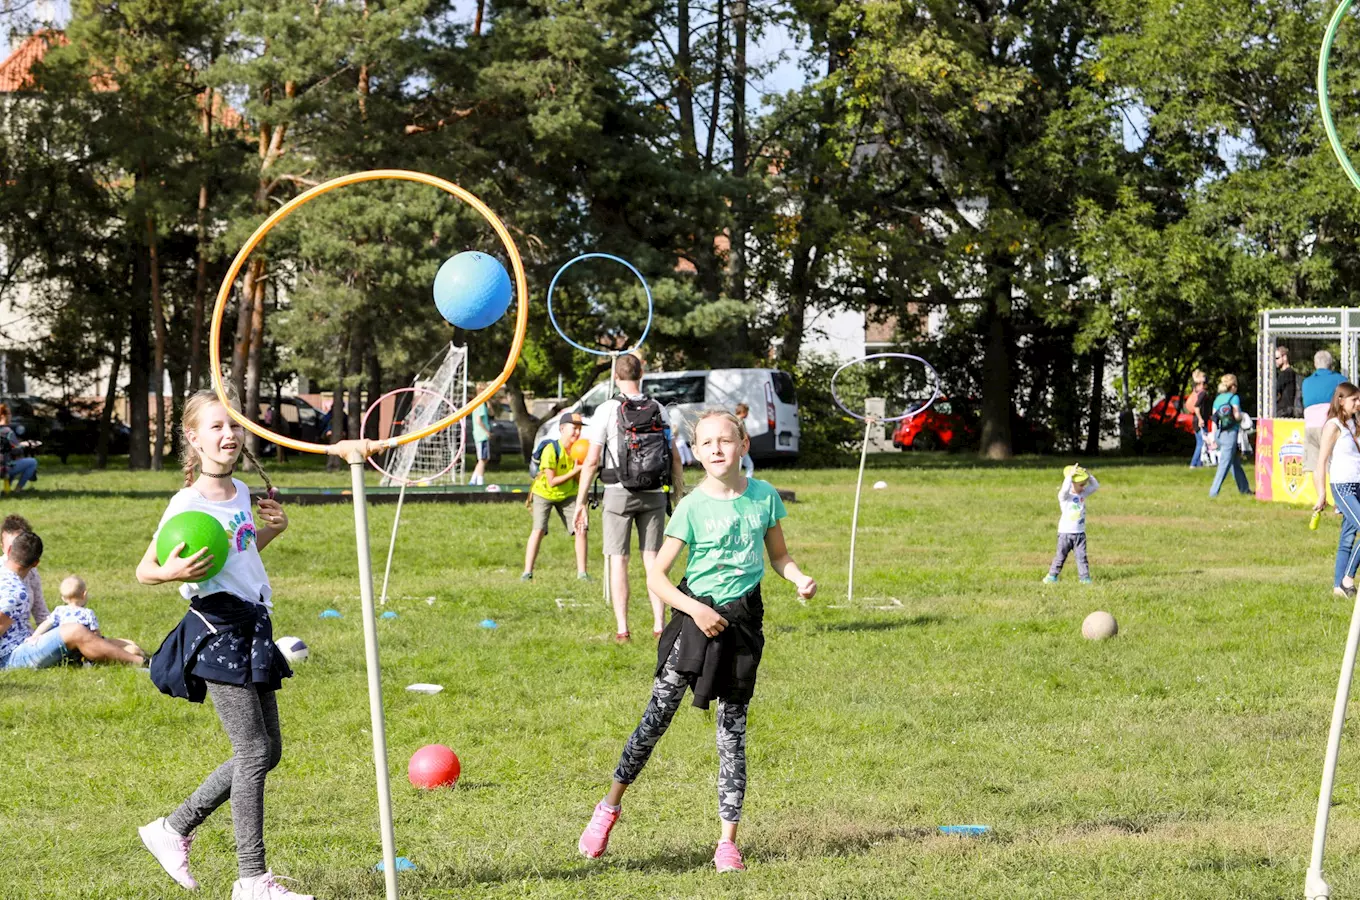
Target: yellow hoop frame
point(224, 293)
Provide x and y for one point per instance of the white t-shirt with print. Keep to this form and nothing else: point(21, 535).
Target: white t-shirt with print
point(81, 615)
point(243, 576)
point(14, 602)
point(1073, 506)
point(603, 432)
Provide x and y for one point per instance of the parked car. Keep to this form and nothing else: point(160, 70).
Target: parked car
point(769, 393)
point(955, 424)
point(63, 429)
point(1169, 412)
point(295, 418)
point(946, 425)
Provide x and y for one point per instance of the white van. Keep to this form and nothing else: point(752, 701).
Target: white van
point(770, 394)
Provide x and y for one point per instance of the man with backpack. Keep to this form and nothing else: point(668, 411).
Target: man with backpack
point(632, 446)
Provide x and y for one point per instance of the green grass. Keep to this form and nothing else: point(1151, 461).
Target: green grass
point(1179, 760)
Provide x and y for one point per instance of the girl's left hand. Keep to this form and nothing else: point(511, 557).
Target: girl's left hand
point(272, 515)
point(807, 587)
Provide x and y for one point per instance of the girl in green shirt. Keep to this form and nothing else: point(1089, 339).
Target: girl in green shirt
point(714, 640)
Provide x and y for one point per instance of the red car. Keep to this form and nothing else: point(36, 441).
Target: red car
point(942, 427)
point(1168, 413)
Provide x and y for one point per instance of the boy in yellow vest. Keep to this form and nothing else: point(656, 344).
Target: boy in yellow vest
point(555, 489)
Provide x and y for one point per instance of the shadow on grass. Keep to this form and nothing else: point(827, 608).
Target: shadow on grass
point(920, 621)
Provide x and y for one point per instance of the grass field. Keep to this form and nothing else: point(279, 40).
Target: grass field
point(1179, 760)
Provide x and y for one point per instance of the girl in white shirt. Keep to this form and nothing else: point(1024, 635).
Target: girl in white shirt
point(1339, 460)
point(223, 647)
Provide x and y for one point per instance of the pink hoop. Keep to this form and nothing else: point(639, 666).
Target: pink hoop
point(363, 427)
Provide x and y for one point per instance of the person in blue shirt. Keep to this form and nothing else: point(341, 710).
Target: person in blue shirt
point(1227, 419)
point(481, 439)
point(1318, 389)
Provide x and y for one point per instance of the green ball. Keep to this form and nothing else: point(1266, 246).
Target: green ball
point(195, 530)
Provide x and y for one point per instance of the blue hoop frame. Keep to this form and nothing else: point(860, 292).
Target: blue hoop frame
point(935, 376)
point(596, 350)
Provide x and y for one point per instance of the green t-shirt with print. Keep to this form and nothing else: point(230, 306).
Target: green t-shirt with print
point(558, 463)
point(726, 539)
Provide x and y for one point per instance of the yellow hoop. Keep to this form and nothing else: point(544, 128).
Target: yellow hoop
point(521, 290)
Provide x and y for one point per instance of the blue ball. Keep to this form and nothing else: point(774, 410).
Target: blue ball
point(472, 290)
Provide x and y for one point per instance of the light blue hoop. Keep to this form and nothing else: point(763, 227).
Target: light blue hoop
point(596, 350)
point(934, 376)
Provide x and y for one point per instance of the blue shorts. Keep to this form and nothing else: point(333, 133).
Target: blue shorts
point(44, 653)
point(483, 449)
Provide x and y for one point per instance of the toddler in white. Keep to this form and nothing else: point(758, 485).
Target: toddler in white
point(1078, 484)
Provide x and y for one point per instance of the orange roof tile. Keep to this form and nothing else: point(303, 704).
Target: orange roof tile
point(16, 72)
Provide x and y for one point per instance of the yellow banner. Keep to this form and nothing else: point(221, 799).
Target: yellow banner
point(1279, 463)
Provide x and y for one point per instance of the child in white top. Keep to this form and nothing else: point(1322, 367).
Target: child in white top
point(74, 598)
point(1078, 484)
point(1339, 461)
point(223, 647)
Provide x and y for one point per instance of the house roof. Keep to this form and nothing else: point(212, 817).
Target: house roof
point(16, 74)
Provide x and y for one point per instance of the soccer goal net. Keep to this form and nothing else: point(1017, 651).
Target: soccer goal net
point(437, 459)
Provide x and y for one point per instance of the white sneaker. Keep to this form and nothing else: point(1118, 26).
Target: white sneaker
point(264, 888)
point(170, 850)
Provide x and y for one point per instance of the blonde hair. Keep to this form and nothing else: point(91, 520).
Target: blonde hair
point(719, 414)
point(72, 586)
point(1227, 383)
point(193, 408)
point(1198, 377)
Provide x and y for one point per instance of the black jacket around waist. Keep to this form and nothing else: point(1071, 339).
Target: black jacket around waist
point(221, 638)
point(722, 667)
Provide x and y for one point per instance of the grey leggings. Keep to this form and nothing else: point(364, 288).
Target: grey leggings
point(250, 717)
point(667, 692)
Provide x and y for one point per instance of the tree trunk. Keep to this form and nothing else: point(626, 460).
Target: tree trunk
point(201, 258)
point(740, 169)
point(354, 409)
point(375, 389)
point(101, 451)
point(178, 379)
point(684, 82)
point(139, 358)
point(244, 315)
point(158, 330)
point(338, 404)
point(254, 363)
point(525, 422)
point(996, 375)
point(1097, 415)
point(477, 20)
point(717, 85)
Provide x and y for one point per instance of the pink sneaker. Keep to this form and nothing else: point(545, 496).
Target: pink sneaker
point(727, 858)
point(170, 850)
point(595, 839)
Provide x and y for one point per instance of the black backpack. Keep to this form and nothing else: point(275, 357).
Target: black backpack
point(644, 462)
point(536, 459)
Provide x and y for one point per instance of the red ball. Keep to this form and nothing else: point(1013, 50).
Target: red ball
point(434, 766)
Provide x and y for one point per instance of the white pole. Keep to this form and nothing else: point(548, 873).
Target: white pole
point(392, 544)
point(1314, 885)
point(375, 703)
point(608, 572)
point(462, 423)
point(854, 520)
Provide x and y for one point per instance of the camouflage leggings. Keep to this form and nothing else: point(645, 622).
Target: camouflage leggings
point(667, 693)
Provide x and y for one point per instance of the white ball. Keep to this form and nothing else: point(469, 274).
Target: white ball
point(1098, 626)
point(880, 485)
point(293, 649)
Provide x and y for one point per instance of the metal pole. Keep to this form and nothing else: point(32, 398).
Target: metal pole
point(1315, 886)
point(392, 544)
point(375, 703)
point(854, 520)
point(608, 572)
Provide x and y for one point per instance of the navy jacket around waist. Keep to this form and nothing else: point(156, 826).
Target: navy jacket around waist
point(722, 667)
point(221, 638)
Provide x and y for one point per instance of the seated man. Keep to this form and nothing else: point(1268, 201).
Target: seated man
point(18, 648)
